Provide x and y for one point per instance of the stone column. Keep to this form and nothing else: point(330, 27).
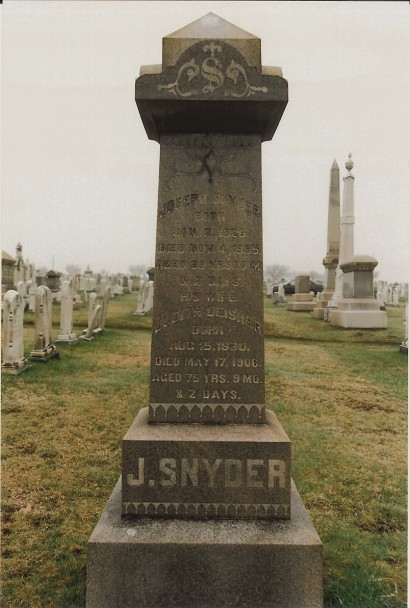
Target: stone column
point(205, 460)
point(13, 360)
point(44, 349)
point(346, 227)
point(66, 334)
point(331, 260)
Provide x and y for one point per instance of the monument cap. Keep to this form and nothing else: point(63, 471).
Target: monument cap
point(208, 27)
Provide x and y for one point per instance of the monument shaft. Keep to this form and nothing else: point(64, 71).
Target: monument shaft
point(207, 360)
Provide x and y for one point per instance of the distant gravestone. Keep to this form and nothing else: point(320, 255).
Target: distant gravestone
point(44, 349)
point(404, 345)
point(210, 512)
point(302, 301)
point(66, 334)
point(358, 308)
point(330, 262)
point(94, 315)
point(141, 298)
point(13, 360)
point(104, 308)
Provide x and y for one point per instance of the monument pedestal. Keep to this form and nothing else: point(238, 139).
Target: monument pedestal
point(234, 471)
point(301, 302)
point(175, 563)
point(358, 313)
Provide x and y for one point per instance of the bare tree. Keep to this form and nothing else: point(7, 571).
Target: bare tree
point(276, 272)
point(73, 269)
point(137, 269)
point(316, 276)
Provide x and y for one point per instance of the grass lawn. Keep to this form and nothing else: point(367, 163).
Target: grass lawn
point(341, 396)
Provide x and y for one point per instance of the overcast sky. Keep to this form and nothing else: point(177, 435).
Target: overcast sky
point(79, 176)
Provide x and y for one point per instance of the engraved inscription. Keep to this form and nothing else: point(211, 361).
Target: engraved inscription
point(221, 472)
point(207, 344)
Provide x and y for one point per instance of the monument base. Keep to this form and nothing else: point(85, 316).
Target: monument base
point(69, 339)
point(358, 313)
point(319, 311)
point(154, 563)
point(14, 369)
point(301, 306)
point(44, 354)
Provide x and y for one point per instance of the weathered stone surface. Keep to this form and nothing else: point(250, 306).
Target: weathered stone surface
point(154, 563)
point(237, 471)
point(13, 359)
point(207, 344)
point(44, 349)
point(182, 99)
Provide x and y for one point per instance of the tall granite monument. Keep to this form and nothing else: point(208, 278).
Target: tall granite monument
point(206, 513)
point(331, 260)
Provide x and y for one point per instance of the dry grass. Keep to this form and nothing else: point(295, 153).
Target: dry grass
point(343, 403)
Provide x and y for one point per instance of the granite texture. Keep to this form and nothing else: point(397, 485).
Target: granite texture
point(206, 471)
point(207, 356)
point(148, 563)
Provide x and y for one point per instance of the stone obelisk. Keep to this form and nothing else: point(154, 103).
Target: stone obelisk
point(210, 515)
point(355, 304)
point(331, 260)
point(346, 227)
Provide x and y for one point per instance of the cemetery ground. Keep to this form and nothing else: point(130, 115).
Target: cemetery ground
point(341, 396)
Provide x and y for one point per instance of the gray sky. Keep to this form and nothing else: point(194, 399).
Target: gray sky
point(79, 176)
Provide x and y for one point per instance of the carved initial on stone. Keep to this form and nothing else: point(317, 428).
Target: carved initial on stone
point(213, 73)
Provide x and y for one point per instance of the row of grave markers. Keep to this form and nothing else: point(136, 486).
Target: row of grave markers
point(14, 361)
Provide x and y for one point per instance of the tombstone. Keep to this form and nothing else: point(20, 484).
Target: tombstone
point(281, 293)
point(103, 285)
point(379, 294)
point(104, 309)
point(31, 290)
point(125, 285)
point(330, 262)
point(44, 349)
point(347, 221)
point(302, 300)
point(358, 307)
point(149, 297)
point(405, 343)
point(94, 318)
point(395, 296)
point(141, 299)
point(19, 265)
point(22, 289)
point(135, 282)
point(66, 335)
point(13, 360)
point(278, 297)
point(206, 494)
point(53, 280)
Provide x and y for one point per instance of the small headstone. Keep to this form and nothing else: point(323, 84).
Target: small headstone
point(405, 343)
point(104, 308)
point(66, 335)
point(44, 349)
point(302, 301)
point(13, 361)
point(94, 314)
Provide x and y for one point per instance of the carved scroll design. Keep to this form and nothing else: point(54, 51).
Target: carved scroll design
point(249, 413)
point(206, 159)
point(212, 74)
point(207, 510)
